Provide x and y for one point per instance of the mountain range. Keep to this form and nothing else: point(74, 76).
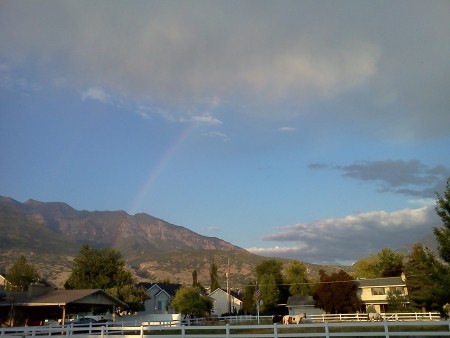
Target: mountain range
point(50, 235)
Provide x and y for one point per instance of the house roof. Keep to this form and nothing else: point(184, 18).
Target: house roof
point(169, 288)
point(232, 293)
point(386, 281)
point(300, 301)
point(63, 297)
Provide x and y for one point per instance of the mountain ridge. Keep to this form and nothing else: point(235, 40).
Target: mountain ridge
point(153, 248)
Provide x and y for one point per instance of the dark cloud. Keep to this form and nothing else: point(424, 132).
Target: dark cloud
point(411, 178)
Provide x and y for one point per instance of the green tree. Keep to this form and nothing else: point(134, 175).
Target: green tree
point(20, 275)
point(135, 297)
point(386, 263)
point(272, 267)
point(367, 267)
point(194, 278)
point(442, 233)
point(390, 263)
point(189, 300)
point(269, 276)
point(104, 269)
point(336, 293)
point(296, 276)
point(396, 301)
point(214, 277)
point(98, 269)
point(269, 293)
point(248, 300)
point(420, 269)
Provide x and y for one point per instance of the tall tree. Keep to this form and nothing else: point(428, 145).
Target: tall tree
point(249, 301)
point(269, 293)
point(270, 267)
point(214, 277)
point(420, 269)
point(386, 263)
point(390, 263)
point(21, 274)
point(443, 233)
point(269, 276)
point(336, 293)
point(105, 269)
point(296, 276)
point(98, 269)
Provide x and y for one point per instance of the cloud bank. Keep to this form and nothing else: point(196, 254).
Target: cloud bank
point(345, 240)
point(270, 59)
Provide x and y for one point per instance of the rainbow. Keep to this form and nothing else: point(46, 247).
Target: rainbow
point(157, 169)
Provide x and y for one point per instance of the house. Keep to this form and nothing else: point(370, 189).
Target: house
point(42, 302)
point(160, 297)
point(302, 304)
point(223, 302)
point(373, 292)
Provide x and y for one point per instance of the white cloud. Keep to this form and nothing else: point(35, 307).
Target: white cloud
point(287, 129)
point(96, 93)
point(218, 134)
point(337, 240)
point(206, 119)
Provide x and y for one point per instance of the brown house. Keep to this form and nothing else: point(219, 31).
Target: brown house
point(42, 302)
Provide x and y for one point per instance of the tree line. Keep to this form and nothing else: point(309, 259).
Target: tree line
point(427, 278)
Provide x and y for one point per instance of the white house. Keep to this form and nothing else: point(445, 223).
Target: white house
point(373, 291)
point(222, 302)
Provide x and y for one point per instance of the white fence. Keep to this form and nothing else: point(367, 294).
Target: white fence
point(327, 329)
point(349, 317)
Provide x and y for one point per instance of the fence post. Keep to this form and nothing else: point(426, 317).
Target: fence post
point(327, 330)
point(275, 330)
point(183, 331)
point(142, 331)
point(386, 328)
point(227, 331)
point(102, 332)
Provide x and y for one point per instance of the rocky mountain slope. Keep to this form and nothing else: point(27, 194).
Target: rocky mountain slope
point(51, 234)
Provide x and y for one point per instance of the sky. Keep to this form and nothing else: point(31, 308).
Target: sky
point(313, 130)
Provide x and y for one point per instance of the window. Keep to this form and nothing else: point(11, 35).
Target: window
point(377, 291)
point(397, 288)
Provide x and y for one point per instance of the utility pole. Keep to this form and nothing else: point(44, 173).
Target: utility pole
point(228, 287)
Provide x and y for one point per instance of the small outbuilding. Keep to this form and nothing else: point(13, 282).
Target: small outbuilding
point(302, 304)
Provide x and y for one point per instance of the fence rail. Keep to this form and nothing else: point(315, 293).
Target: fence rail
point(326, 330)
point(385, 328)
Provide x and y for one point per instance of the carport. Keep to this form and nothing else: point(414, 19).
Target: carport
point(39, 303)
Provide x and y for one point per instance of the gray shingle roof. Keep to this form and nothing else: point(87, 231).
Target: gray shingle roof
point(63, 297)
point(387, 281)
point(300, 300)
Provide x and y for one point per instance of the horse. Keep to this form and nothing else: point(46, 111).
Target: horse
point(287, 319)
point(297, 319)
point(372, 316)
point(277, 319)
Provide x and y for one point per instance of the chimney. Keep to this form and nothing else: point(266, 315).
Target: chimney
point(37, 289)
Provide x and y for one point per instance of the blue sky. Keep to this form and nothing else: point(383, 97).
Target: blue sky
point(313, 130)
